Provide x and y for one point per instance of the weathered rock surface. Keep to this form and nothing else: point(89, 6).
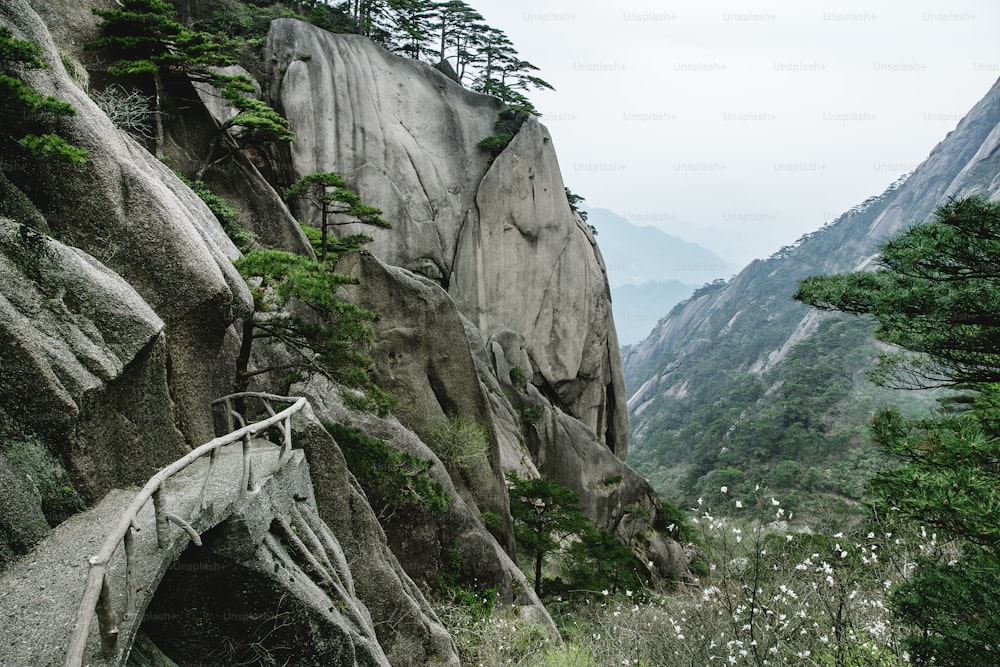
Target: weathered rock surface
point(83, 360)
point(426, 541)
point(434, 377)
point(128, 210)
point(500, 236)
point(407, 628)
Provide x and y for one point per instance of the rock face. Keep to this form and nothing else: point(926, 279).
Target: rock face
point(118, 300)
point(497, 242)
point(117, 336)
point(83, 360)
point(499, 237)
point(126, 209)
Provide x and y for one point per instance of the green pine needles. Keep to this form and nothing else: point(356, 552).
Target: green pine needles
point(296, 303)
point(27, 113)
point(337, 204)
point(146, 40)
point(549, 526)
point(935, 300)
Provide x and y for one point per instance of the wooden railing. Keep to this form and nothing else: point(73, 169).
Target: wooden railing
point(97, 591)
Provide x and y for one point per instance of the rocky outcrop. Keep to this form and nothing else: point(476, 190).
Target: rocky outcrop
point(498, 236)
point(83, 360)
point(500, 254)
point(127, 209)
point(453, 375)
point(117, 336)
point(433, 377)
point(428, 542)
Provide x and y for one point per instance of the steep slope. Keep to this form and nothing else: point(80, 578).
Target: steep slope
point(638, 308)
point(740, 377)
point(120, 309)
point(489, 242)
point(117, 303)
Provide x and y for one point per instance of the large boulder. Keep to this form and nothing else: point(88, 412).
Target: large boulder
point(84, 363)
point(498, 235)
point(433, 545)
point(128, 210)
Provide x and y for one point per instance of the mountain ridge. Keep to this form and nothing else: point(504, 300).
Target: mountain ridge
point(728, 344)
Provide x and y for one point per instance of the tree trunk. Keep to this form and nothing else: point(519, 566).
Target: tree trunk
point(243, 358)
point(157, 116)
point(538, 573)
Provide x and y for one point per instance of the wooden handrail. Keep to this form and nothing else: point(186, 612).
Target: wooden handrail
point(96, 599)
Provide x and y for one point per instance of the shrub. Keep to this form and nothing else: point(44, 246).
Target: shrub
point(392, 479)
point(495, 144)
point(461, 443)
point(31, 457)
point(129, 110)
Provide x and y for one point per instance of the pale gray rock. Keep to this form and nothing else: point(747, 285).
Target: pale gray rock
point(433, 375)
point(500, 234)
point(126, 209)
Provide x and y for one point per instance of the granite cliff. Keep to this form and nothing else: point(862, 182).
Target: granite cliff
point(120, 312)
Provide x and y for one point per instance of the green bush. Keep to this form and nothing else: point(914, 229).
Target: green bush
point(31, 457)
point(392, 479)
point(495, 144)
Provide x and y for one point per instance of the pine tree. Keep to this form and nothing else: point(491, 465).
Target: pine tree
point(147, 40)
point(26, 111)
point(936, 297)
point(545, 515)
point(330, 193)
point(296, 302)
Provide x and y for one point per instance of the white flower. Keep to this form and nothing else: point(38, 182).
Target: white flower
point(628, 593)
point(724, 489)
point(775, 502)
point(739, 504)
point(604, 592)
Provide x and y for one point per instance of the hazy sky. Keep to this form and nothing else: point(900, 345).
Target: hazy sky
point(743, 125)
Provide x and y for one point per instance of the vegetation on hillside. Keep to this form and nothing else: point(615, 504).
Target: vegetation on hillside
point(555, 536)
point(731, 414)
point(296, 305)
point(148, 43)
point(765, 594)
point(934, 299)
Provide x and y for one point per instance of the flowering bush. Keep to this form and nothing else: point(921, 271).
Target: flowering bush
point(772, 593)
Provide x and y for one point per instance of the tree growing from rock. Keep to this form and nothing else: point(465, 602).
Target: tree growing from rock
point(337, 204)
point(296, 305)
point(146, 40)
point(25, 110)
point(545, 516)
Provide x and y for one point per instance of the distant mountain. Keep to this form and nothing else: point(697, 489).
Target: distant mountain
point(637, 308)
point(650, 271)
point(741, 385)
point(636, 254)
